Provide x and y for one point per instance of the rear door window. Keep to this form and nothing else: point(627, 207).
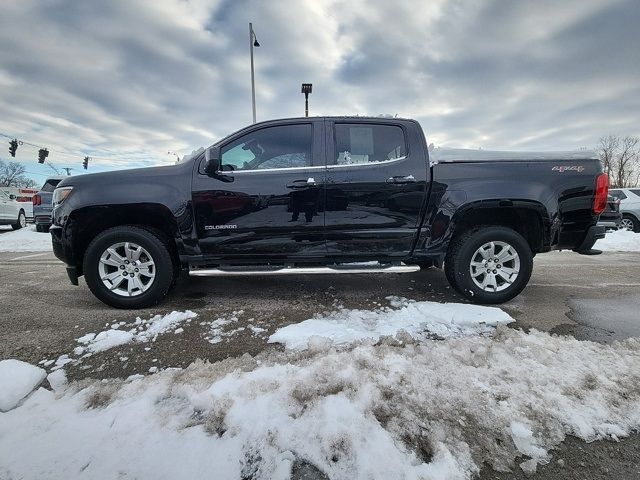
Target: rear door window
point(635, 191)
point(361, 143)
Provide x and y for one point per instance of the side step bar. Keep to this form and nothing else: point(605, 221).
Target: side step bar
point(237, 272)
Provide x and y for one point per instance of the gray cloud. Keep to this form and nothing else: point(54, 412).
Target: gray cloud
point(143, 78)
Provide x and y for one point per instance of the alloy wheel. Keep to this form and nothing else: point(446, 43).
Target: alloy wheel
point(494, 266)
point(127, 269)
point(626, 224)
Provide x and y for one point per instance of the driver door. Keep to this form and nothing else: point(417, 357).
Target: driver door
point(266, 202)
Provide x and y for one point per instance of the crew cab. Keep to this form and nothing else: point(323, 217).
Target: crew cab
point(327, 195)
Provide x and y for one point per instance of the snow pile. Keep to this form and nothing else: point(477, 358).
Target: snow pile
point(25, 240)
point(17, 380)
point(219, 328)
point(142, 330)
point(434, 410)
point(104, 340)
point(420, 320)
point(619, 241)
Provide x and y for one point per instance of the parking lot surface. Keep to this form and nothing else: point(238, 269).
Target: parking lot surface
point(592, 298)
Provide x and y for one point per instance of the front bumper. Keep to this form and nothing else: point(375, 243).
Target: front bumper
point(63, 253)
point(56, 241)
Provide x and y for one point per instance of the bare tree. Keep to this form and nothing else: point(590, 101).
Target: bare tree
point(12, 175)
point(621, 159)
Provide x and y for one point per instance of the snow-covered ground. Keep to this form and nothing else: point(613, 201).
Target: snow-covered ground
point(619, 241)
point(121, 333)
point(24, 240)
point(404, 407)
point(17, 380)
point(419, 320)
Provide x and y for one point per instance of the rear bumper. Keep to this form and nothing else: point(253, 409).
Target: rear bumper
point(609, 224)
point(42, 214)
point(594, 233)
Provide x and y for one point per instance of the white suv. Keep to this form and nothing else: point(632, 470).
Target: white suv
point(629, 207)
point(11, 212)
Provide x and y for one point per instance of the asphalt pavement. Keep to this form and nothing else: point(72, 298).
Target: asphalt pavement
point(590, 297)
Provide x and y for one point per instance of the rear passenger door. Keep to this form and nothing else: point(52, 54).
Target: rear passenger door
point(376, 188)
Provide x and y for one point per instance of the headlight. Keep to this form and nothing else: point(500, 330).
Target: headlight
point(60, 195)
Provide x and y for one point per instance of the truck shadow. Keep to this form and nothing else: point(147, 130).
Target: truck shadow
point(345, 290)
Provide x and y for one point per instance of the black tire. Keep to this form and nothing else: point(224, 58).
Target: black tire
point(634, 221)
point(42, 228)
point(22, 221)
point(461, 252)
point(157, 248)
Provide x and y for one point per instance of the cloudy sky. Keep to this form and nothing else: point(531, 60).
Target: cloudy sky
point(128, 81)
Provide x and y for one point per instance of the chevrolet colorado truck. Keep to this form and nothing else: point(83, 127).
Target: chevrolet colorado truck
point(327, 195)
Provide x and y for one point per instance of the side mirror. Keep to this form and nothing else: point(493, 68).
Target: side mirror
point(12, 197)
point(212, 161)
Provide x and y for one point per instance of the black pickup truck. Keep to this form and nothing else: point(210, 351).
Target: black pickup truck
point(327, 195)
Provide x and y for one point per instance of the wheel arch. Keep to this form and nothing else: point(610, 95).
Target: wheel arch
point(528, 218)
point(88, 222)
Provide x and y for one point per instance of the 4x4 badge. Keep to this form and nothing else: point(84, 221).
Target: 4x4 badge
point(564, 168)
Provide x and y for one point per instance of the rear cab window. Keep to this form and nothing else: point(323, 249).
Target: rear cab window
point(50, 185)
point(363, 144)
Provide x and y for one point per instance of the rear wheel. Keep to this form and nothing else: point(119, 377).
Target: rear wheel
point(629, 222)
point(489, 265)
point(129, 267)
point(21, 222)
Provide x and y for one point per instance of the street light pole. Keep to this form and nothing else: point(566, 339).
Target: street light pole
point(306, 89)
point(253, 42)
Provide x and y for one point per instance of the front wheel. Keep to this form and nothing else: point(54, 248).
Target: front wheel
point(489, 265)
point(21, 222)
point(128, 267)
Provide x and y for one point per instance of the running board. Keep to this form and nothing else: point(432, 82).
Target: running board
point(236, 272)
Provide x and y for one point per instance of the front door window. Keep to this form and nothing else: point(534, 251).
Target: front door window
point(286, 146)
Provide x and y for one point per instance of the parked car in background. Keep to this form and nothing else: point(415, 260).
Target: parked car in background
point(42, 204)
point(23, 196)
point(11, 212)
point(26, 203)
point(611, 217)
point(629, 207)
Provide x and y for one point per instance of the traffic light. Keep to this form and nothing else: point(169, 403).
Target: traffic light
point(13, 146)
point(85, 162)
point(43, 153)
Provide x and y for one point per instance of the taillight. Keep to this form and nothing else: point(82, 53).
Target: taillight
point(37, 200)
point(602, 191)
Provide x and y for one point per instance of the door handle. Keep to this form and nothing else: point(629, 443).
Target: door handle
point(401, 179)
point(309, 182)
